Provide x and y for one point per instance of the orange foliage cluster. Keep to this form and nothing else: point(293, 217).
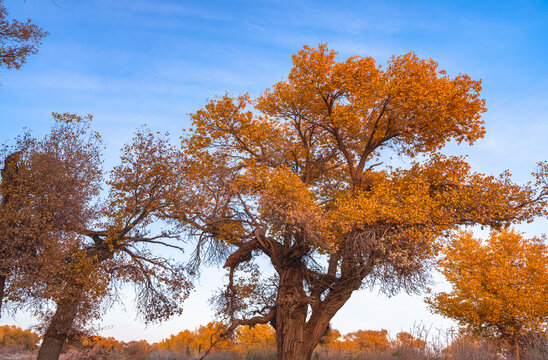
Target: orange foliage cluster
point(195, 342)
point(18, 40)
point(263, 337)
point(500, 286)
point(13, 335)
point(371, 341)
point(96, 344)
point(92, 347)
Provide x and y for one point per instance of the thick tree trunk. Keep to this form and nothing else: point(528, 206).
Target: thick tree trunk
point(58, 330)
point(51, 348)
point(291, 316)
point(63, 320)
point(296, 337)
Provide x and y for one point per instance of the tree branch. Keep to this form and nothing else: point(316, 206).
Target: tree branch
point(260, 319)
point(243, 254)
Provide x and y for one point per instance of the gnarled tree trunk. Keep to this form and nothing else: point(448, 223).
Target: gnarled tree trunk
point(291, 314)
point(63, 320)
point(305, 302)
point(58, 329)
point(297, 336)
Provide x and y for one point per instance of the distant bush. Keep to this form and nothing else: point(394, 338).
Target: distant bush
point(13, 336)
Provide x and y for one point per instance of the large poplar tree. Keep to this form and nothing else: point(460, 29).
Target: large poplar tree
point(307, 176)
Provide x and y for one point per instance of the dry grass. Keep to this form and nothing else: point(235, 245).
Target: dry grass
point(536, 348)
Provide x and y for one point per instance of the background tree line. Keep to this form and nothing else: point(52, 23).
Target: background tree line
point(259, 343)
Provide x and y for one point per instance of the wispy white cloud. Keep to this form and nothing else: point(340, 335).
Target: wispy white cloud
point(168, 9)
point(168, 78)
point(60, 81)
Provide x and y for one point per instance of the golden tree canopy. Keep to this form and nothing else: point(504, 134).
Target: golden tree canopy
point(307, 162)
point(500, 285)
point(304, 175)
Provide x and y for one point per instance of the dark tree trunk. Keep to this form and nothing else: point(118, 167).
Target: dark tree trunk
point(291, 316)
point(8, 183)
point(295, 336)
point(51, 348)
point(58, 330)
point(62, 322)
point(2, 287)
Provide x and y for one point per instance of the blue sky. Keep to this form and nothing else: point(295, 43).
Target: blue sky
point(130, 62)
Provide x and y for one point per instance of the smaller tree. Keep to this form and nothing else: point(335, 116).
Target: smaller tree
point(59, 245)
point(407, 340)
point(500, 286)
point(13, 335)
point(121, 246)
point(18, 40)
point(259, 337)
point(209, 338)
point(369, 340)
point(184, 341)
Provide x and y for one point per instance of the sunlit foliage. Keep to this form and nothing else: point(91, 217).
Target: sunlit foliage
point(500, 286)
point(13, 335)
point(307, 175)
point(371, 340)
point(405, 339)
point(199, 341)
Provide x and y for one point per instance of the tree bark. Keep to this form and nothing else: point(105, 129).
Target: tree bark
point(291, 314)
point(295, 336)
point(2, 287)
point(51, 348)
point(326, 310)
point(58, 330)
point(62, 321)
